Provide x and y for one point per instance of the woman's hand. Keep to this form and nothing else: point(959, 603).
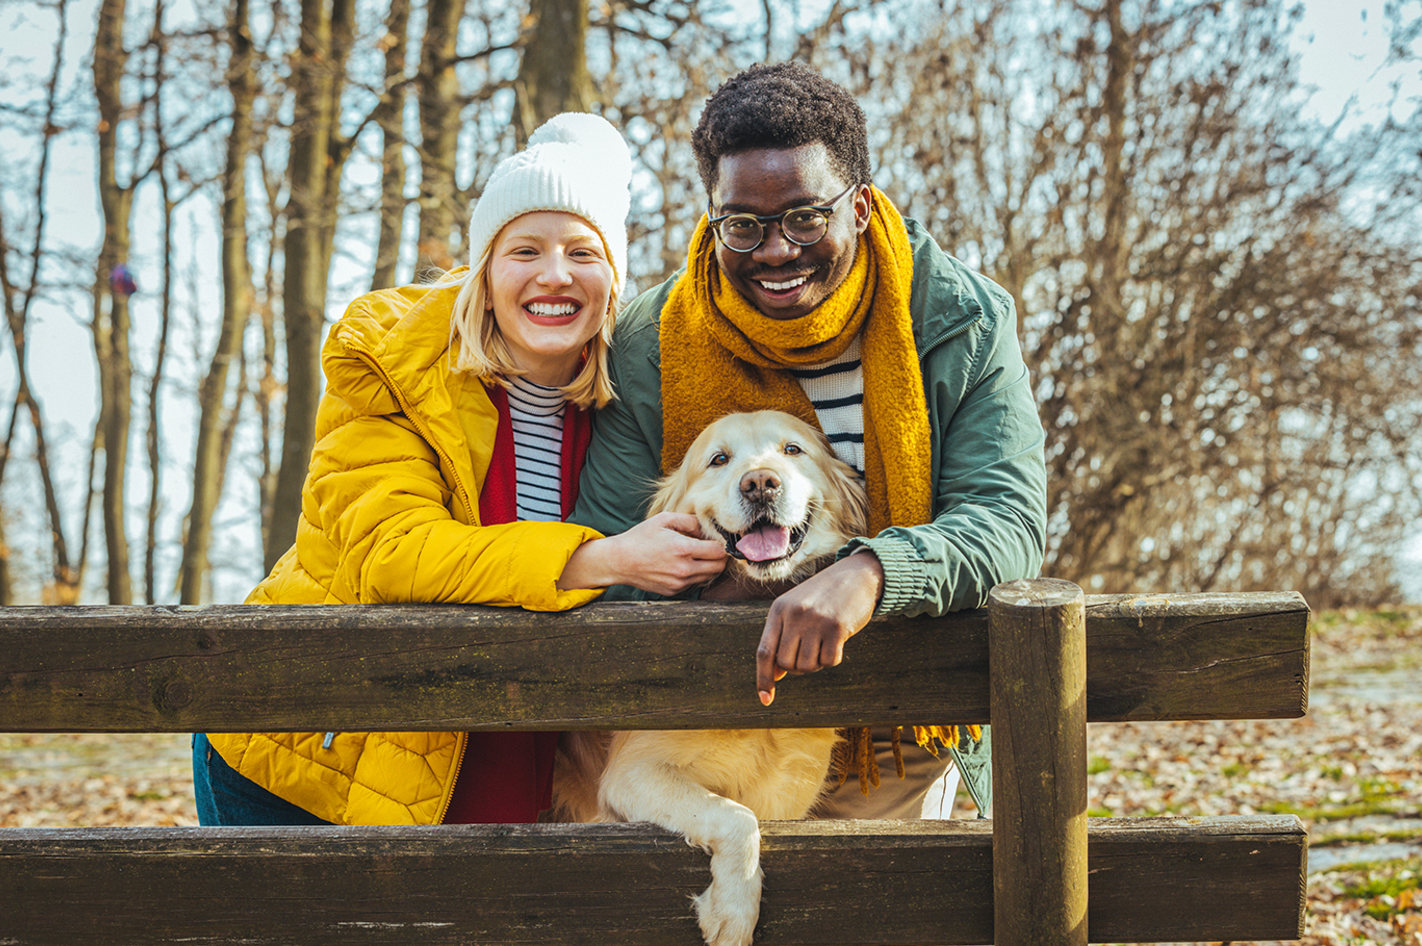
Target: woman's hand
point(664, 555)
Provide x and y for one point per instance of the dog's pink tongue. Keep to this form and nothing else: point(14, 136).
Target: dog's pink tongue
point(766, 543)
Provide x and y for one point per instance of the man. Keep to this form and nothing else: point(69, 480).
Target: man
point(805, 291)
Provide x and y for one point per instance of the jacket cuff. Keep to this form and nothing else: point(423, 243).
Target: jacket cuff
point(538, 558)
point(905, 573)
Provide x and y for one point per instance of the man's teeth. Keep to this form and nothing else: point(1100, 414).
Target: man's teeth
point(782, 286)
point(544, 308)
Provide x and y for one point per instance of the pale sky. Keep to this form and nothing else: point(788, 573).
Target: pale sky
point(1343, 45)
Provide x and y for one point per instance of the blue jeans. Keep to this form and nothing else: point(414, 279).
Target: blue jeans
point(227, 799)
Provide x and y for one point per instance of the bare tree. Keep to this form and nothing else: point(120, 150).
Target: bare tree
point(213, 434)
point(266, 388)
point(439, 101)
point(17, 302)
point(1221, 351)
point(664, 60)
point(553, 73)
point(111, 310)
point(389, 115)
point(316, 92)
point(157, 42)
point(65, 584)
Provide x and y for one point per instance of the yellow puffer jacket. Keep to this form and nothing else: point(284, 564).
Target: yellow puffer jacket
point(390, 513)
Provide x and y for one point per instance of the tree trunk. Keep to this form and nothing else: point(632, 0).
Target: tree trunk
point(338, 147)
point(267, 388)
point(1115, 184)
point(553, 76)
point(439, 132)
point(157, 42)
point(111, 316)
point(236, 306)
point(389, 115)
point(304, 277)
point(65, 586)
point(155, 384)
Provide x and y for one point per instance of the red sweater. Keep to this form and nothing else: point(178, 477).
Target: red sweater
point(507, 777)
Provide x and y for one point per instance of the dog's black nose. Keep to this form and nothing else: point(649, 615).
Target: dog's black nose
point(760, 486)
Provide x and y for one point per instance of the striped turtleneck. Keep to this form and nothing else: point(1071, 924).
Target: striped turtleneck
point(537, 415)
point(836, 389)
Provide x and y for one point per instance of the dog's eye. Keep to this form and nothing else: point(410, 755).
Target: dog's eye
point(793, 450)
point(720, 459)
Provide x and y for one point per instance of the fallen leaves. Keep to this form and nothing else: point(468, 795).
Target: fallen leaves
point(1408, 929)
point(95, 780)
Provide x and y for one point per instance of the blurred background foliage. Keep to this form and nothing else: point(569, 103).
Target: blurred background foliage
point(1218, 290)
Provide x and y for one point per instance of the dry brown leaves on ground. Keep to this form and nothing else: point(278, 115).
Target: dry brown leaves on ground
point(1351, 769)
point(95, 779)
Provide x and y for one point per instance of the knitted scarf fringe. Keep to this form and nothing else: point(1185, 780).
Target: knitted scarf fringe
point(855, 752)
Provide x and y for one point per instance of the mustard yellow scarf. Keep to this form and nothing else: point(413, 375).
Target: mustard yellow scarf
point(721, 355)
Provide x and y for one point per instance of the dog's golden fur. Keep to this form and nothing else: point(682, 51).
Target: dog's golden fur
point(772, 477)
point(749, 473)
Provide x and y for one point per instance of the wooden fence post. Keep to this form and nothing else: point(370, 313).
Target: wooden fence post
point(1037, 670)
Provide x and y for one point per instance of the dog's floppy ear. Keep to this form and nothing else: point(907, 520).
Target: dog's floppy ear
point(672, 489)
point(851, 503)
point(671, 492)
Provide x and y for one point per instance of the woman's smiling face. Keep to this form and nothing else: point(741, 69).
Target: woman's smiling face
point(550, 282)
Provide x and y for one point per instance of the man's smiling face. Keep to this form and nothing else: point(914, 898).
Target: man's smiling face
point(779, 278)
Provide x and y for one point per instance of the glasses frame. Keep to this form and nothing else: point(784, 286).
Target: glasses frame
point(779, 219)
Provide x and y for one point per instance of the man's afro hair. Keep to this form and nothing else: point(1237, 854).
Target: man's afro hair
point(784, 105)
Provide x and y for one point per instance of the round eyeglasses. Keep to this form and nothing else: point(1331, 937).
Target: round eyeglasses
point(802, 226)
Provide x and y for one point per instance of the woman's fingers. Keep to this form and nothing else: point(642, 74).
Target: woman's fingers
point(666, 554)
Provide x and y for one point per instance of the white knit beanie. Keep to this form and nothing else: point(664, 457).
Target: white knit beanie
point(574, 162)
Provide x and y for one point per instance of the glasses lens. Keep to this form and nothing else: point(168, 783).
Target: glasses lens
point(741, 232)
point(804, 225)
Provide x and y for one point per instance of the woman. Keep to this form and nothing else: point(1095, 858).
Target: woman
point(449, 443)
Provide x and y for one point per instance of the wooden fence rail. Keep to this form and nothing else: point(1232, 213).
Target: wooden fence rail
point(110, 669)
point(607, 666)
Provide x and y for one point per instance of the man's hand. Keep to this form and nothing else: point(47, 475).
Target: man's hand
point(807, 626)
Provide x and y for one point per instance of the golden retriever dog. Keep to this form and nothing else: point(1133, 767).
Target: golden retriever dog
point(769, 485)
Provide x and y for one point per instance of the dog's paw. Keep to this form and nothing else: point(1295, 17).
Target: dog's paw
point(728, 911)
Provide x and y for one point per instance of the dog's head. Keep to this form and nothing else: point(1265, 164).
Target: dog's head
point(769, 485)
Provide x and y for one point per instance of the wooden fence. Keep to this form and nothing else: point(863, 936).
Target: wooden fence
point(1039, 872)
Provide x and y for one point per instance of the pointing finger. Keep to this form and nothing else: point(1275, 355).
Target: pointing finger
point(766, 670)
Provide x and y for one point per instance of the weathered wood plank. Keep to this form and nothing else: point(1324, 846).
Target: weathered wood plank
point(859, 883)
point(1148, 655)
point(650, 666)
point(1038, 653)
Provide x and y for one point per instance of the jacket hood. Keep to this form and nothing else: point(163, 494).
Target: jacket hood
point(405, 340)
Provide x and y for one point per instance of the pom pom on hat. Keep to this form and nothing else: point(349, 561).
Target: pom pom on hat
point(592, 132)
point(576, 163)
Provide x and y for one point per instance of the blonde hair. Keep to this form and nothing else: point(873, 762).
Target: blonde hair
point(479, 347)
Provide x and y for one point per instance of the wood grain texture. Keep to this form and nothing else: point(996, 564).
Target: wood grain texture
point(1037, 647)
point(606, 666)
point(861, 883)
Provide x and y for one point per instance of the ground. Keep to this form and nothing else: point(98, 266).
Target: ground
point(1351, 769)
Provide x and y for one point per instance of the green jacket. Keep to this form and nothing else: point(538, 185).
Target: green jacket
point(990, 499)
